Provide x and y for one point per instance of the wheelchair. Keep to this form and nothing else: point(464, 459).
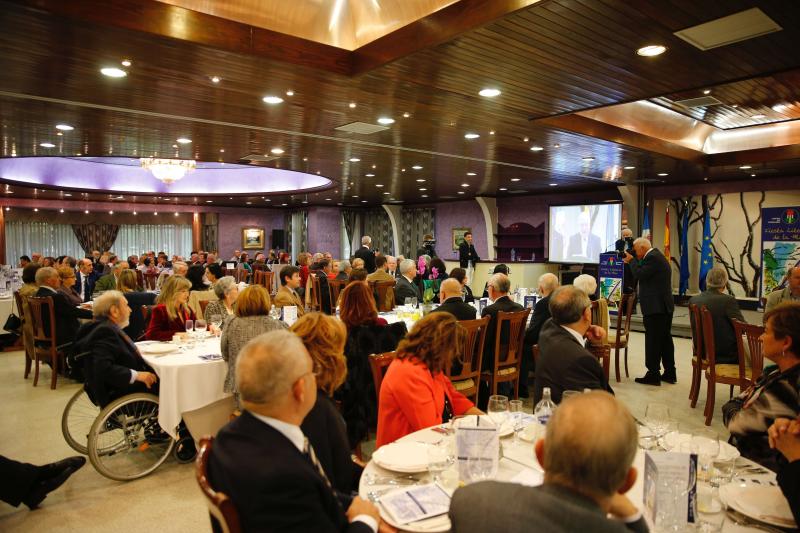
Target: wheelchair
point(123, 439)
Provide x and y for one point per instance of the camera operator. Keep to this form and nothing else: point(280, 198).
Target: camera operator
point(428, 243)
point(625, 245)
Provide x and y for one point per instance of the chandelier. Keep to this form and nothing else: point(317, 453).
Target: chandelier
point(168, 170)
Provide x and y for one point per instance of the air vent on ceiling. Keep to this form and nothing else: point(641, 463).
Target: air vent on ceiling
point(702, 101)
point(258, 158)
point(734, 28)
point(361, 127)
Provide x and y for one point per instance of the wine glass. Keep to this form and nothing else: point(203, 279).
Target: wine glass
point(408, 301)
point(497, 409)
point(656, 417)
point(215, 321)
point(515, 407)
point(437, 461)
point(189, 326)
point(707, 441)
point(200, 328)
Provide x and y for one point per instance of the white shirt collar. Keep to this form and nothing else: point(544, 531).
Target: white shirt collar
point(577, 336)
point(290, 431)
point(48, 287)
point(410, 280)
point(647, 252)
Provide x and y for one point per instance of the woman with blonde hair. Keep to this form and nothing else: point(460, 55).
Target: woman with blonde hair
point(67, 288)
point(324, 337)
point(415, 392)
point(127, 284)
point(170, 314)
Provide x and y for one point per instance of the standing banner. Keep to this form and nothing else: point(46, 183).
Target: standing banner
point(611, 273)
point(780, 245)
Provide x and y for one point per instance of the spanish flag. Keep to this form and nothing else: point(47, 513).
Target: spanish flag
point(666, 235)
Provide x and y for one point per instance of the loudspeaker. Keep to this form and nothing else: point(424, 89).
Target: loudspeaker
point(278, 238)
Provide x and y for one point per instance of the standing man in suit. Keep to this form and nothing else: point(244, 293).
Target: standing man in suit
point(584, 245)
point(466, 252)
point(724, 308)
point(653, 273)
point(86, 279)
point(287, 293)
point(582, 484)
point(548, 282)
point(450, 296)
point(405, 287)
point(288, 490)
point(65, 313)
point(564, 362)
point(366, 254)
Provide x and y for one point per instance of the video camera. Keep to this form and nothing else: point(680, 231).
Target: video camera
point(624, 245)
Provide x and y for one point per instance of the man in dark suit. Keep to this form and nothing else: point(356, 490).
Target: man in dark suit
point(66, 314)
point(724, 309)
point(498, 287)
point(466, 252)
point(450, 296)
point(406, 287)
point(564, 363)
point(85, 279)
point(654, 276)
point(582, 484)
point(114, 366)
point(584, 245)
point(366, 254)
point(548, 282)
point(286, 490)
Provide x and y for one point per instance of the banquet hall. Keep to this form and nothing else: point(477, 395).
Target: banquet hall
point(505, 143)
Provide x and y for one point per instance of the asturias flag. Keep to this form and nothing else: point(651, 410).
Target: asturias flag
point(666, 236)
point(684, 283)
point(646, 225)
point(706, 255)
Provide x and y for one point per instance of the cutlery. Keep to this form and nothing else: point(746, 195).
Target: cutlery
point(372, 479)
point(741, 520)
point(375, 495)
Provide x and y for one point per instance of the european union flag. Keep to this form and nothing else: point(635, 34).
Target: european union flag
point(684, 284)
point(646, 225)
point(706, 255)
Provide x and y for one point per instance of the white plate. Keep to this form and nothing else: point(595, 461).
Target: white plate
point(404, 457)
point(727, 452)
point(764, 503)
point(158, 349)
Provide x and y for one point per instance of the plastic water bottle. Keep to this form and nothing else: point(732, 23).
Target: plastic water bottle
point(544, 409)
point(513, 255)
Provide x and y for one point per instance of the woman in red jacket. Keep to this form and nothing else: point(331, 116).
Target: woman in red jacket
point(170, 315)
point(415, 393)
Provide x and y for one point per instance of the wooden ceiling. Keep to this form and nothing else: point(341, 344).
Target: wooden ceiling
point(549, 58)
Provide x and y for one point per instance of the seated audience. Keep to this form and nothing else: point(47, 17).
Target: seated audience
point(109, 281)
point(324, 337)
point(358, 263)
point(564, 363)
point(498, 269)
point(334, 270)
point(391, 266)
point(587, 284)
point(460, 274)
point(24, 261)
point(380, 274)
point(287, 293)
point(275, 377)
point(29, 288)
point(30, 484)
point(85, 279)
point(776, 394)
point(790, 293)
point(723, 308)
point(344, 270)
point(226, 291)
point(585, 480)
point(498, 287)
point(784, 436)
point(303, 260)
point(251, 319)
point(49, 261)
point(66, 314)
point(441, 269)
point(136, 299)
point(114, 367)
point(200, 290)
point(415, 392)
point(67, 288)
point(358, 274)
point(406, 286)
point(357, 306)
point(450, 295)
point(195, 274)
point(548, 282)
point(321, 268)
point(170, 314)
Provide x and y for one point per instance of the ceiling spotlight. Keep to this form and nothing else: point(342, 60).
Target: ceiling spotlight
point(471, 135)
point(489, 92)
point(745, 167)
point(759, 115)
point(327, 199)
point(536, 148)
point(423, 189)
point(406, 114)
point(387, 193)
point(354, 160)
point(352, 105)
point(47, 145)
point(363, 201)
point(126, 62)
point(272, 100)
point(752, 175)
point(423, 196)
point(502, 189)
point(155, 213)
point(67, 194)
point(460, 192)
point(417, 167)
point(355, 196)
point(588, 158)
point(379, 184)
point(183, 140)
point(491, 132)
point(134, 212)
point(370, 175)
point(421, 180)
point(465, 184)
point(277, 151)
point(553, 184)
point(471, 174)
point(526, 139)
point(284, 205)
point(779, 107)
point(707, 91)
point(734, 106)
point(59, 134)
point(651, 50)
point(628, 168)
point(556, 145)
point(86, 211)
point(663, 173)
point(385, 120)
point(290, 93)
point(111, 212)
point(64, 127)
point(215, 79)
point(113, 72)
point(514, 179)
point(60, 210)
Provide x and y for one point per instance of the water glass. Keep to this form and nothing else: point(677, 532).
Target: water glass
point(656, 417)
point(408, 301)
point(515, 407)
point(216, 322)
point(567, 394)
point(710, 510)
point(189, 326)
point(437, 461)
point(707, 441)
point(497, 409)
point(724, 470)
point(199, 328)
point(479, 468)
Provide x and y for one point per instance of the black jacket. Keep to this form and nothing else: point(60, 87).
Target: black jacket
point(459, 309)
point(91, 279)
point(274, 487)
point(368, 256)
point(466, 253)
point(565, 365)
point(541, 312)
point(136, 300)
point(654, 275)
point(724, 309)
point(504, 304)
point(406, 289)
point(66, 314)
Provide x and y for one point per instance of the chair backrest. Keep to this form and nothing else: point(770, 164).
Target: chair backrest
point(471, 355)
point(231, 272)
point(242, 274)
point(707, 321)
point(313, 300)
point(600, 316)
point(697, 332)
point(203, 305)
point(20, 309)
point(146, 311)
point(44, 330)
point(336, 286)
point(378, 364)
point(223, 514)
point(384, 294)
point(508, 351)
point(748, 337)
point(257, 275)
point(150, 280)
point(624, 313)
point(603, 354)
point(139, 278)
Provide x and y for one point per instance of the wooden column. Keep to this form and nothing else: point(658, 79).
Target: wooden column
point(197, 232)
point(3, 238)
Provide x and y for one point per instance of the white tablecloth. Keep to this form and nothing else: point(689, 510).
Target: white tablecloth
point(187, 383)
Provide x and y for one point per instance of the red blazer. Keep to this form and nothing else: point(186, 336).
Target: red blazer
point(412, 398)
point(304, 272)
point(161, 328)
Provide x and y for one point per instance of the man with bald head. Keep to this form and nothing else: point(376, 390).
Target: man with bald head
point(262, 459)
point(790, 293)
point(451, 297)
point(585, 479)
point(548, 282)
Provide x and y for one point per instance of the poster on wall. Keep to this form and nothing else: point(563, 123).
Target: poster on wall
point(611, 272)
point(780, 245)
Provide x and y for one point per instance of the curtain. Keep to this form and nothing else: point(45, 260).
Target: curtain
point(299, 232)
point(134, 239)
point(287, 228)
point(414, 224)
point(210, 237)
point(96, 236)
point(25, 238)
point(350, 219)
point(378, 226)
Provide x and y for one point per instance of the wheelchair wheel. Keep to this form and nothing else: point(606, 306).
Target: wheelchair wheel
point(126, 441)
point(77, 420)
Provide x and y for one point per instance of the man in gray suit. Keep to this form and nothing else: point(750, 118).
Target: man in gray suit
point(405, 287)
point(790, 293)
point(724, 308)
point(582, 484)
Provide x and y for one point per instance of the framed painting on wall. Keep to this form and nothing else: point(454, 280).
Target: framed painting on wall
point(252, 238)
point(458, 236)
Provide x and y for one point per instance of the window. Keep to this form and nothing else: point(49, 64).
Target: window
point(25, 238)
point(133, 239)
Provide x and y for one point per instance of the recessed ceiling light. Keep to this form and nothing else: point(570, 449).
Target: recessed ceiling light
point(556, 145)
point(370, 175)
point(759, 115)
point(284, 205)
point(134, 212)
point(59, 134)
point(126, 62)
point(379, 184)
point(176, 213)
point(47, 145)
point(406, 115)
point(327, 199)
point(460, 192)
point(588, 158)
point(351, 105)
point(111, 212)
point(355, 196)
point(753, 175)
point(707, 91)
point(209, 201)
point(514, 179)
point(663, 173)
point(491, 132)
point(421, 180)
point(651, 50)
point(423, 189)
point(471, 174)
point(489, 92)
point(417, 167)
point(272, 100)
point(363, 201)
point(465, 184)
point(629, 168)
point(154, 213)
point(385, 120)
point(60, 210)
point(734, 106)
point(502, 189)
point(553, 184)
point(354, 160)
point(174, 145)
point(67, 194)
point(387, 193)
point(779, 107)
point(471, 135)
point(526, 139)
point(304, 202)
point(113, 72)
point(290, 93)
point(536, 148)
point(277, 151)
point(86, 211)
point(64, 127)
point(183, 140)
point(35, 209)
point(745, 167)
point(423, 195)
point(215, 79)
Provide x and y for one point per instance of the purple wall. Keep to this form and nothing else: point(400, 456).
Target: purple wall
point(231, 224)
point(324, 226)
point(451, 215)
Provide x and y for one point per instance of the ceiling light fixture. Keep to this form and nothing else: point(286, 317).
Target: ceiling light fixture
point(64, 127)
point(352, 105)
point(385, 120)
point(491, 132)
point(379, 184)
point(471, 135)
point(423, 189)
point(502, 189)
point(272, 100)
point(47, 145)
point(752, 175)
point(417, 167)
point(111, 212)
point(588, 158)
point(290, 93)
point(134, 212)
point(465, 184)
point(460, 192)
point(536, 148)
point(628, 168)
point(553, 184)
point(471, 174)
point(514, 179)
point(126, 62)
point(113, 72)
point(423, 196)
point(745, 167)
point(168, 170)
point(215, 79)
point(759, 115)
point(489, 92)
point(67, 194)
point(663, 174)
point(779, 107)
point(354, 160)
point(277, 151)
point(183, 140)
point(707, 91)
point(651, 50)
point(421, 180)
point(369, 175)
point(406, 115)
point(61, 210)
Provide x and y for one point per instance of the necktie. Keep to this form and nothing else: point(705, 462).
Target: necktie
point(308, 451)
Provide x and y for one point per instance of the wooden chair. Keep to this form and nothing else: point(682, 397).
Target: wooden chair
point(603, 354)
point(203, 305)
point(231, 272)
point(150, 281)
point(139, 277)
point(336, 286)
point(751, 333)
point(222, 512)
point(313, 300)
point(384, 294)
point(600, 316)
point(146, 310)
point(699, 363)
point(257, 277)
point(728, 374)
point(620, 337)
point(507, 357)
point(22, 307)
point(44, 340)
point(242, 274)
point(467, 381)
point(378, 364)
